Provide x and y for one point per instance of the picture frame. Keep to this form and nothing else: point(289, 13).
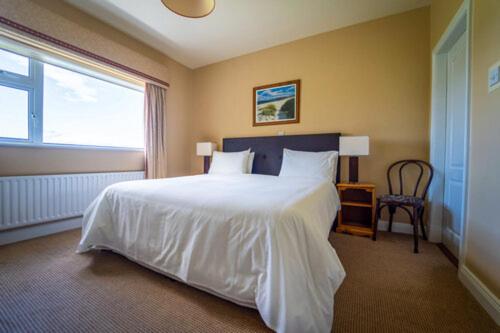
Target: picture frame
point(277, 103)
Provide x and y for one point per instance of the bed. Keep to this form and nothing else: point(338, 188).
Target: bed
point(258, 240)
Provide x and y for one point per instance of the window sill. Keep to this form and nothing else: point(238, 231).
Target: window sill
point(66, 146)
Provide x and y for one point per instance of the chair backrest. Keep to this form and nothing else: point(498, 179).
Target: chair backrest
point(423, 181)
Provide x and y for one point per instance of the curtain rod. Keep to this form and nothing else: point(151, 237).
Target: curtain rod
point(80, 51)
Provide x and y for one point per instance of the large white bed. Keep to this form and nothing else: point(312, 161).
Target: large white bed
point(260, 241)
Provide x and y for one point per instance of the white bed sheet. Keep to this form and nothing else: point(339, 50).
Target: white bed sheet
point(260, 241)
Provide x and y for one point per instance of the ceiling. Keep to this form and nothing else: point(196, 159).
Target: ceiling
point(236, 27)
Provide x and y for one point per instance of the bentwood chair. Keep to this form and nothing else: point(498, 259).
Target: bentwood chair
point(412, 204)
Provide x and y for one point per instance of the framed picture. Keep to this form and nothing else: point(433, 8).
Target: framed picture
point(277, 103)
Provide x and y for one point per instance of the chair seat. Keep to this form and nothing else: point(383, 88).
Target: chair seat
point(396, 199)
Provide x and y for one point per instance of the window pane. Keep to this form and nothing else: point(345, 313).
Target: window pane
point(79, 109)
point(13, 113)
point(14, 63)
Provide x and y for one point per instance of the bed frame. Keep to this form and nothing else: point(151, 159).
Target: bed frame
point(269, 149)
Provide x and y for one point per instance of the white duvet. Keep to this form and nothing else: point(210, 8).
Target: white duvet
point(260, 241)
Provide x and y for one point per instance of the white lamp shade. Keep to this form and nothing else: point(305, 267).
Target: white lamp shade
point(354, 146)
point(205, 148)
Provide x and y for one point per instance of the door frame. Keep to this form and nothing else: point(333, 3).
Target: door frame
point(461, 23)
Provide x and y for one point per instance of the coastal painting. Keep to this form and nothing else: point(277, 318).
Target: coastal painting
point(277, 103)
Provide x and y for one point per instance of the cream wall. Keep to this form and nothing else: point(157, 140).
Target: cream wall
point(368, 79)
point(60, 20)
point(482, 243)
point(483, 232)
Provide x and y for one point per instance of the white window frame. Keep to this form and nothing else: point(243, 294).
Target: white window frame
point(30, 85)
point(33, 84)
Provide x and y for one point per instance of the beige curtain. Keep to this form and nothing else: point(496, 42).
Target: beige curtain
point(155, 109)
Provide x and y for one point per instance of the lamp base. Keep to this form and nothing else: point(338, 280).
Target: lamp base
point(206, 164)
point(353, 169)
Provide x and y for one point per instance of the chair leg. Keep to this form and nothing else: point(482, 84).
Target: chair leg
point(421, 216)
point(415, 230)
point(392, 210)
point(377, 217)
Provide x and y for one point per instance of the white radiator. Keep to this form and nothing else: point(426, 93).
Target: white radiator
point(27, 200)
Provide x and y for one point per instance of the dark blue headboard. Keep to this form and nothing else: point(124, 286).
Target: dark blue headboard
point(269, 149)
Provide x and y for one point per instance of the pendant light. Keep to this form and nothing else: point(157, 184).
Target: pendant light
point(190, 8)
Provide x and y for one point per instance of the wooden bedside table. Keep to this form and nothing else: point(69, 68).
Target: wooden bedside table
point(357, 211)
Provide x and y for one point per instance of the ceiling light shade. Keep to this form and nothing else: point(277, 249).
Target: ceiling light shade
point(190, 8)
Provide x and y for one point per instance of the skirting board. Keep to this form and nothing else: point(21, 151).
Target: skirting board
point(480, 292)
point(397, 227)
point(38, 230)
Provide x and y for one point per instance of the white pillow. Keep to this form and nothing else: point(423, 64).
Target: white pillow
point(309, 164)
point(250, 162)
point(229, 163)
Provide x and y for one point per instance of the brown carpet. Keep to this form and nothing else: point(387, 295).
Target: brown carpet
point(46, 287)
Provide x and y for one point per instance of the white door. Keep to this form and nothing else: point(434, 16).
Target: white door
point(456, 120)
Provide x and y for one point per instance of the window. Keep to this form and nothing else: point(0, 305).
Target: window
point(13, 113)
point(14, 63)
point(79, 109)
point(41, 103)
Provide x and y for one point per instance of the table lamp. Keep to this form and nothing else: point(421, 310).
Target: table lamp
point(354, 146)
point(205, 149)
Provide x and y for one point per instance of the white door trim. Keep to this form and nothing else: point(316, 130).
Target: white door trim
point(459, 24)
